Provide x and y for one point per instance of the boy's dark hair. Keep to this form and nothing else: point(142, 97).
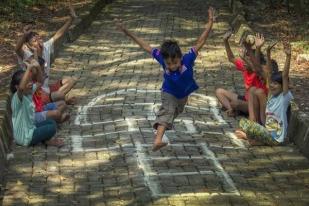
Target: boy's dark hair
point(30, 36)
point(274, 66)
point(277, 77)
point(16, 79)
point(170, 49)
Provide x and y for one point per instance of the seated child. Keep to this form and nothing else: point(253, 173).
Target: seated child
point(275, 129)
point(232, 101)
point(178, 82)
point(31, 41)
point(257, 97)
point(25, 131)
point(53, 110)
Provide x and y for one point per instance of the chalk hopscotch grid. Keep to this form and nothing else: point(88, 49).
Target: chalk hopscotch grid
point(142, 160)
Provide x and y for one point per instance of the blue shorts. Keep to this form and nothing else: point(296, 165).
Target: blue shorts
point(50, 106)
point(40, 116)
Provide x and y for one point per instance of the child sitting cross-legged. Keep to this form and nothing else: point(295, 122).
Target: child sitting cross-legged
point(26, 132)
point(275, 129)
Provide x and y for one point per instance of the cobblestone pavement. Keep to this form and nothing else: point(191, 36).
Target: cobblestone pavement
point(108, 160)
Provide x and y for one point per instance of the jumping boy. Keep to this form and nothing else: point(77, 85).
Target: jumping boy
point(178, 81)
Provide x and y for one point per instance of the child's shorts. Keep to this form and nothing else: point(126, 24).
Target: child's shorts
point(56, 86)
point(42, 116)
point(171, 107)
point(50, 106)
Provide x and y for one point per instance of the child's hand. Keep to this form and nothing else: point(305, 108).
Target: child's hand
point(227, 35)
point(271, 46)
point(287, 47)
point(259, 40)
point(119, 24)
point(211, 14)
point(27, 29)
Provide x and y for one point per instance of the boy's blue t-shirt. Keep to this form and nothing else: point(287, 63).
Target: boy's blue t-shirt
point(181, 82)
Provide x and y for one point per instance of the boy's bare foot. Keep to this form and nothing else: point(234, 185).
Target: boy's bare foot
point(241, 134)
point(230, 113)
point(254, 142)
point(158, 145)
point(71, 101)
point(57, 142)
point(65, 117)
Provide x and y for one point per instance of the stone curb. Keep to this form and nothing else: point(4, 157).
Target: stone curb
point(78, 27)
point(298, 130)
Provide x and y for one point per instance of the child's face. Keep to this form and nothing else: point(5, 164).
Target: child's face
point(173, 64)
point(36, 42)
point(275, 88)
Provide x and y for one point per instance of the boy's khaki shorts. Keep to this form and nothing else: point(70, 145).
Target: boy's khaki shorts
point(171, 107)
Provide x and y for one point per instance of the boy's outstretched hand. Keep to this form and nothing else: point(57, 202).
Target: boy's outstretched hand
point(120, 26)
point(227, 35)
point(211, 14)
point(259, 40)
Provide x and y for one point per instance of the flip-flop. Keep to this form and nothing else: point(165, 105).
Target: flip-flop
point(57, 142)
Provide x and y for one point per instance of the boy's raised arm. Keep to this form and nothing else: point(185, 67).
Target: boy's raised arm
point(66, 26)
point(19, 46)
point(31, 68)
point(286, 70)
point(259, 42)
point(229, 52)
point(144, 45)
point(202, 39)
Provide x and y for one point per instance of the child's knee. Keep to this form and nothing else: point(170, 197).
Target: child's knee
point(235, 104)
point(252, 90)
point(220, 92)
point(260, 93)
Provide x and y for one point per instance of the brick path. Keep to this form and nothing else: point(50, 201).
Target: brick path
point(107, 159)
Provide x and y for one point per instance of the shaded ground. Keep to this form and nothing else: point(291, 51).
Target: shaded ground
point(107, 158)
point(276, 23)
point(46, 18)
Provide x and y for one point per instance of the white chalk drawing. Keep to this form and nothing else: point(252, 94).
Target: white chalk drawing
point(143, 161)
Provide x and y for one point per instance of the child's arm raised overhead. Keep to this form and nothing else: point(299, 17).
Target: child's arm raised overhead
point(229, 52)
point(144, 45)
point(31, 68)
point(67, 24)
point(19, 46)
point(259, 42)
point(286, 70)
point(202, 39)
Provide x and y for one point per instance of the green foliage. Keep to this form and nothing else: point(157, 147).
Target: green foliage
point(18, 7)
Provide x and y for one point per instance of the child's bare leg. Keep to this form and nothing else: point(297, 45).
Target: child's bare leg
point(225, 97)
point(57, 96)
point(262, 105)
point(158, 144)
point(67, 84)
point(242, 106)
point(253, 105)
